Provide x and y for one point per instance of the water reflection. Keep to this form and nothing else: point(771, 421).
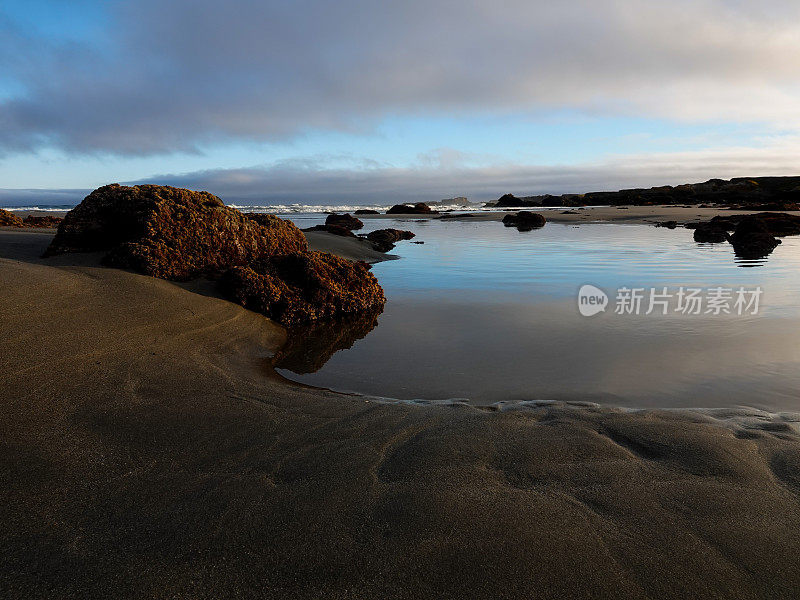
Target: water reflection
point(308, 348)
point(481, 313)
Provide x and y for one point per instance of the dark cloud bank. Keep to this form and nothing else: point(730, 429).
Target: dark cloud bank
point(178, 75)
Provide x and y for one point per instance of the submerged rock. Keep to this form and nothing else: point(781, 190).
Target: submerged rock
point(9, 219)
point(420, 208)
point(47, 221)
point(752, 238)
point(299, 288)
point(367, 211)
point(524, 220)
point(384, 240)
point(347, 221)
point(171, 233)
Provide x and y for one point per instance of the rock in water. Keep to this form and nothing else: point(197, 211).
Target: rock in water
point(346, 220)
point(367, 211)
point(384, 240)
point(524, 220)
point(299, 288)
point(752, 239)
point(9, 219)
point(710, 233)
point(420, 208)
point(171, 233)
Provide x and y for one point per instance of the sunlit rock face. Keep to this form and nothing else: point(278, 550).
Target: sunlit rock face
point(9, 219)
point(181, 234)
point(298, 288)
point(171, 233)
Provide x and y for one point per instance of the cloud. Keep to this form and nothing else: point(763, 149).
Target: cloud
point(313, 182)
point(183, 75)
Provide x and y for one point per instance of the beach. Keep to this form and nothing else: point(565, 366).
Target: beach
point(149, 450)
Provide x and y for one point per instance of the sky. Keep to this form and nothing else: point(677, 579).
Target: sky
point(375, 102)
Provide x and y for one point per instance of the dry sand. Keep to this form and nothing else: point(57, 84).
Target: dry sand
point(148, 451)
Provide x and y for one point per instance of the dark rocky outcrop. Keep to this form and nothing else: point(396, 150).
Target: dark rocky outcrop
point(9, 219)
point(180, 234)
point(299, 288)
point(334, 229)
point(367, 211)
point(749, 193)
point(512, 201)
point(778, 224)
point(754, 235)
point(667, 224)
point(171, 233)
point(710, 233)
point(47, 221)
point(384, 240)
point(420, 208)
point(752, 238)
point(524, 220)
point(347, 221)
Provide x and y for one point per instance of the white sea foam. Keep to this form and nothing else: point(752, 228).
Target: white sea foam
point(338, 208)
point(279, 209)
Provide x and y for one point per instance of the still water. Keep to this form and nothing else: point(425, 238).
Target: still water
point(485, 313)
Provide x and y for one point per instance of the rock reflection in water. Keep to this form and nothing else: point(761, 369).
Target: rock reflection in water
point(308, 348)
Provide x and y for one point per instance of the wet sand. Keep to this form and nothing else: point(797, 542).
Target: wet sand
point(346, 247)
point(149, 451)
point(591, 214)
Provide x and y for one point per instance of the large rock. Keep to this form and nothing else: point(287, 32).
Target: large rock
point(420, 208)
point(299, 288)
point(347, 221)
point(524, 220)
point(9, 219)
point(384, 240)
point(776, 223)
point(752, 238)
point(171, 233)
point(750, 193)
point(511, 201)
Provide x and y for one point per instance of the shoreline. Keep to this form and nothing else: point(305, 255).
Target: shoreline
point(639, 215)
point(137, 416)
